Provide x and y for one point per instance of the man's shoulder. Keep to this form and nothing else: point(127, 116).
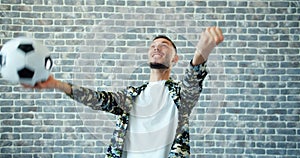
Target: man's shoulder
point(134, 91)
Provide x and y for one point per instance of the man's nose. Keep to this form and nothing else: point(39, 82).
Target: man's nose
point(156, 47)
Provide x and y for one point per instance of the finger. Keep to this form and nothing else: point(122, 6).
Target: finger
point(206, 36)
point(214, 35)
point(220, 34)
point(208, 32)
point(46, 83)
point(40, 85)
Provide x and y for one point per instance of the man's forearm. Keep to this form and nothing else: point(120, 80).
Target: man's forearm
point(198, 59)
point(64, 87)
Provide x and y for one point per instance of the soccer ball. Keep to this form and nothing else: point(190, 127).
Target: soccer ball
point(24, 60)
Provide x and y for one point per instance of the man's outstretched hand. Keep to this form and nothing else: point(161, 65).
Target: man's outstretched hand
point(51, 83)
point(48, 84)
point(210, 38)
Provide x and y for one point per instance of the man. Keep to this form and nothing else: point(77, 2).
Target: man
point(153, 118)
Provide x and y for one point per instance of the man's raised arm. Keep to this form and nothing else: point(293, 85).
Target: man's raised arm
point(210, 38)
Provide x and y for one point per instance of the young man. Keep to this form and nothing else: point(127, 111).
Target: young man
point(153, 119)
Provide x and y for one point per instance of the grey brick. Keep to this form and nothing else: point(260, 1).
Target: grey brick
point(279, 4)
point(115, 2)
point(63, 156)
point(10, 136)
point(266, 10)
point(234, 151)
point(42, 155)
point(42, 8)
point(275, 17)
point(85, 156)
point(278, 44)
point(11, 123)
point(255, 17)
point(293, 152)
point(95, 2)
point(184, 10)
point(237, 3)
point(5, 156)
point(63, 8)
point(5, 7)
point(5, 129)
point(244, 10)
point(268, 24)
point(136, 3)
point(276, 152)
point(73, 150)
point(234, 17)
point(217, 3)
point(23, 155)
point(260, 4)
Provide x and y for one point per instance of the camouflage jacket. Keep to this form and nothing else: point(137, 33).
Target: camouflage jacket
point(185, 95)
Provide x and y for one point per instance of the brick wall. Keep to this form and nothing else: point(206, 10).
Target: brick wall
point(250, 105)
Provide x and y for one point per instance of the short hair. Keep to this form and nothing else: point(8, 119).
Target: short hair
point(167, 38)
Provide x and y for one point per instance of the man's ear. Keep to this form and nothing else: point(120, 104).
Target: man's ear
point(175, 59)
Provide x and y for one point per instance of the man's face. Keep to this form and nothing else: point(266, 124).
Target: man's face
point(162, 52)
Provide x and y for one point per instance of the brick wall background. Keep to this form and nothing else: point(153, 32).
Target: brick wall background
point(250, 106)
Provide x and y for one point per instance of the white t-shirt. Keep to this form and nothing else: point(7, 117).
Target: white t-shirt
point(153, 123)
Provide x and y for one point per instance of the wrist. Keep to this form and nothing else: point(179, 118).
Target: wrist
point(198, 59)
point(64, 87)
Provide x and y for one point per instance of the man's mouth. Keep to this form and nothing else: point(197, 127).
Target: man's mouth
point(157, 55)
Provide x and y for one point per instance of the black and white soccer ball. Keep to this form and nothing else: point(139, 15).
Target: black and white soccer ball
point(24, 60)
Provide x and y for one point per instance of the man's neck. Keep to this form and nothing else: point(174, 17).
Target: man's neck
point(159, 74)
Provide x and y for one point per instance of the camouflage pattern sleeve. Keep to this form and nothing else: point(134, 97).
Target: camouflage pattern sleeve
point(191, 85)
point(113, 102)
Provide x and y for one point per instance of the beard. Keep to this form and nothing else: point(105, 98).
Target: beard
point(154, 65)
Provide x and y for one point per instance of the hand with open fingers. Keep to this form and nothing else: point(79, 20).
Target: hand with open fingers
point(210, 38)
point(49, 83)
